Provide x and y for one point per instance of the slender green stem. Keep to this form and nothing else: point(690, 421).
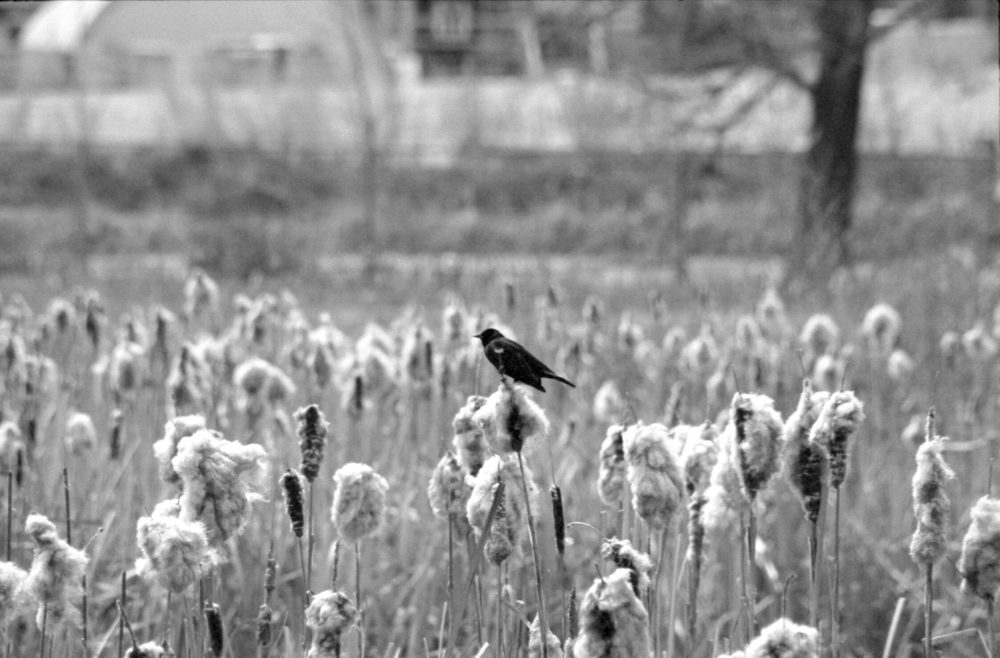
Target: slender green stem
point(357, 595)
point(835, 596)
point(990, 631)
point(928, 609)
point(500, 607)
point(451, 582)
point(751, 561)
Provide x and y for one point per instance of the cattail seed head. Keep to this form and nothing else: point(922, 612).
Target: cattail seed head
point(264, 617)
point(757, 441)
point(930, 501)
point(836, 424)
point(558, 518)
point(625, 556)
point(329, 614)
point(613, 621)
point(56, 573)
point(509, 418)
point(496, 471)
point(499, 543)
point(358, 501)
point(81, 436)
point(150, 649)
point(724, 499)
point(470, 441)
point(608, 403)
point(219, 482)
point(653, 474)
point(806, 462)
point(312, 432)
point(552, 644)
point(166, 448)
point(881, 327)
point(980, 561)
point(611, 479)
point(175, 552)
point(447, 490)
point(785, 639)
point(291, 488)
point(15, 598)
point(698, 455)
point(820, 335)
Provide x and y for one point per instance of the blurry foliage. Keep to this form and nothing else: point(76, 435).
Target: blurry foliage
point(238, 212)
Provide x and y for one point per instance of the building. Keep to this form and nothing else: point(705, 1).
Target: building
point(133, 43)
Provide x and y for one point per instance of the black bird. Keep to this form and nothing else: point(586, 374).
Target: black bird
point(512, 360)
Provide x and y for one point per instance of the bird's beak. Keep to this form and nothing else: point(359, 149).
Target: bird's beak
point(477, 336)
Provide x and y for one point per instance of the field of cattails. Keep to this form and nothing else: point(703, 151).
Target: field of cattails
point(743, 473)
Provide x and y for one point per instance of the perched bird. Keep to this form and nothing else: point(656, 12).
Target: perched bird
point(513, 361)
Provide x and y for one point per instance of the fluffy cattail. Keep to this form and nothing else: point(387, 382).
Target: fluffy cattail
point(312, 431)
point(609, 405)
point(771, 315)
point(724, 500)
point(358, 501)
point(756, 430)
point(80, 433)
point(806, 461)
point(611, 478)
point(500, 540)
point(218, 478)
point(509, 418)
point(56, 575)
point(470, 441)
point(201, 294)
point(11, 446)
point(698, 455)
point(980, 561)
point(785, 639)
point(263, 621)
point(836, 424)
point(151, 649)
point(166, 448)
point(625, 556)
point(930, 501)
point(329, 614)
point(653, 474)
point(881, 327)
point(820, 335)
point(175, 552)
point(213, 624)
point(900, 366)
point(552, 646)
point(447, 490)
point(498, 470)
point(613, 621)
point(15, 599)
point(291, 489)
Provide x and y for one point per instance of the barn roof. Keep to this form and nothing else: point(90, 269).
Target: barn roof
point(60, 25)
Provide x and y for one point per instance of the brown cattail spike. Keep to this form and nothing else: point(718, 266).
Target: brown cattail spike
point(291, 487)
point(558, 519)
point(312, 432)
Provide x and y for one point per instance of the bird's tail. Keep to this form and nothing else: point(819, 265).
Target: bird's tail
point(556, 377)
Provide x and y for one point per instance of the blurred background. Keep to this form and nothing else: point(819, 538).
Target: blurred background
point(290, 137)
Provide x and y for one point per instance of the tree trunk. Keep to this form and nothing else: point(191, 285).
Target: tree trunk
point(827, 187)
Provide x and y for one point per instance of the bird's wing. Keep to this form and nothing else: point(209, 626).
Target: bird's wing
point(515, 362)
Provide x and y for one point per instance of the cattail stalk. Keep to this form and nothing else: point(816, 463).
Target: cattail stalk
point(559, 528)
point(542, 617)
point(931, 507)
point(357, 597)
